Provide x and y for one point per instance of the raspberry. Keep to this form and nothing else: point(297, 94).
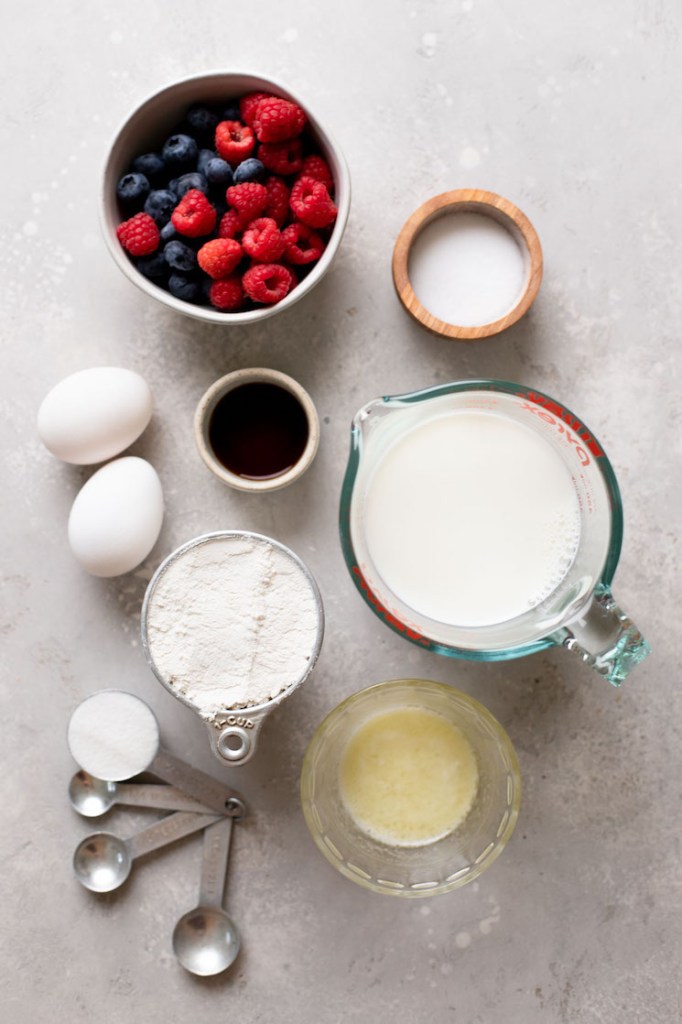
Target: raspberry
point(282, 157)
point(277, 120)
point(227, 294)
point(278, 200)
point(139, 235)
point(194, 216)
point(248, 199)
point(267, 282)
point(234, 141)
point(263, 241)
point(311, 203)
point(302, 244)
point(248, 105)
point(231, 223)
point(317, 167)
point(219, 257)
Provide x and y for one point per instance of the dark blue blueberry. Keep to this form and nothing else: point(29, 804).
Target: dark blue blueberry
point(202, 160)
point(133, 189)
point(230, 113)
point(249, 170)
point(168, 232)
point(201, 120)
point(220, 207)
point(184, 288)
point(149, 164)
point(219, 172)
point(179, 256)
point(154, 267)
point(160, 204)
point(205, 284)
point(182, 185)
point(179, 150)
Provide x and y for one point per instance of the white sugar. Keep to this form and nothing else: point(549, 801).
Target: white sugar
point(113, 735)
point(467, 269)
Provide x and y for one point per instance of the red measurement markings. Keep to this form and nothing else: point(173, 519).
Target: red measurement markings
point(391, 619)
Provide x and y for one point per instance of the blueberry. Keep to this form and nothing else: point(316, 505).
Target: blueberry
point(179, 150)
point(133, 189)
point(230, 113)
point(181, 186)
point(202, 160)
point(219, 172)
point(168, 232)
point(154, 267)
point(201, 120)
point(160, 204)
point(179, 256)
point(149, 164)
point(184, 288)
point(249, 170)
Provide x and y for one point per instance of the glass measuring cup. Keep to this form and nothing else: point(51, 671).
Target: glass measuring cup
point(580, 613)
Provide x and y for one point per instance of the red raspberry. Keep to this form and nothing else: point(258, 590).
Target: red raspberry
point(317, 167)
point(276, 120)
point(282, 157)
point(303, 245)
point(267, 282)
point(248, 199)
point(248, 105)
point(263, 240)
point(139, 235)
point(278, 200)
point(194, 216)
point(234, 141)
point(219, 257)
point(231, 224)
point(311, 203)
point(227, 294)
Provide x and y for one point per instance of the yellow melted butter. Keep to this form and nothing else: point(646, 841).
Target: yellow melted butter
point(408, 777)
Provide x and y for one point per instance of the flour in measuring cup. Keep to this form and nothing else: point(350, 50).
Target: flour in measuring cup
point(232, 622)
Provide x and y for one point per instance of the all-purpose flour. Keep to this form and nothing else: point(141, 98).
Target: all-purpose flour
point(232, 622)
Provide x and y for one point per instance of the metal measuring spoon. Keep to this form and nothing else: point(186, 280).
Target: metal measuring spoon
point(206, 940)
point(115, 735)
point(93, 797)
point(102, 861)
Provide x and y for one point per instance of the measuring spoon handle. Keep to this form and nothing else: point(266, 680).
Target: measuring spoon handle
point(201, 786)
point(215, 855)
point(166, 831)
point(161, 798)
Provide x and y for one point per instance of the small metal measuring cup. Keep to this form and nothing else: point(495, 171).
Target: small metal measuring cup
point(233, 733)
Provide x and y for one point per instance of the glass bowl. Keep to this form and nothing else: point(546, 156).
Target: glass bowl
point(436, 867)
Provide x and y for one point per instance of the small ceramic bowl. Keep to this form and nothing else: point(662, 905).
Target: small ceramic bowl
point(501, 211)
point(217, 391)
point(147, 127)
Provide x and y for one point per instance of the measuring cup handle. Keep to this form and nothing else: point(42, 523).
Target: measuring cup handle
point(605, 638)
point(235, 744)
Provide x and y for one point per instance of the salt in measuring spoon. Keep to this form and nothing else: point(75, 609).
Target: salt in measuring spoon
point(206, 940)
point(102, 861)
point(114, 735)
point(92, 797)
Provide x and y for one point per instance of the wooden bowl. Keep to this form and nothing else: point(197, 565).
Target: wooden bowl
point(468, 201)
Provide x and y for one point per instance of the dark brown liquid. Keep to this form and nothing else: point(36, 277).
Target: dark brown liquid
point(258, 431)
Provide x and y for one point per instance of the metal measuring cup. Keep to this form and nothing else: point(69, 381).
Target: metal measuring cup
point(233, 733)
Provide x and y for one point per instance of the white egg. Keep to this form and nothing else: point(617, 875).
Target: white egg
point(116, 518)
point(94, 414)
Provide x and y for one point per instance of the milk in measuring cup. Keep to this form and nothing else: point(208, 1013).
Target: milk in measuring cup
point(472, 518)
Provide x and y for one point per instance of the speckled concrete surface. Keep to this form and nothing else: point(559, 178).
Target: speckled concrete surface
point(573, 112)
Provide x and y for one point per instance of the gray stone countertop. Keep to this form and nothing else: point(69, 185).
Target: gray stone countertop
point(573, 112)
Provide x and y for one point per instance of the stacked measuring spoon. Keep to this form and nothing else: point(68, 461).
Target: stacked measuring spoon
point(114, 736)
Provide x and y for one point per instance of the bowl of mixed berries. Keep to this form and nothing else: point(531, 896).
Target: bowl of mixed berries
point(224, 198)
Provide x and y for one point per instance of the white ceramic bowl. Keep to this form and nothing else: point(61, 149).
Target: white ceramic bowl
point(146, 129)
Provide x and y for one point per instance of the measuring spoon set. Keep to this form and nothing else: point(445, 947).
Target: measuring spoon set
point(115, 734)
